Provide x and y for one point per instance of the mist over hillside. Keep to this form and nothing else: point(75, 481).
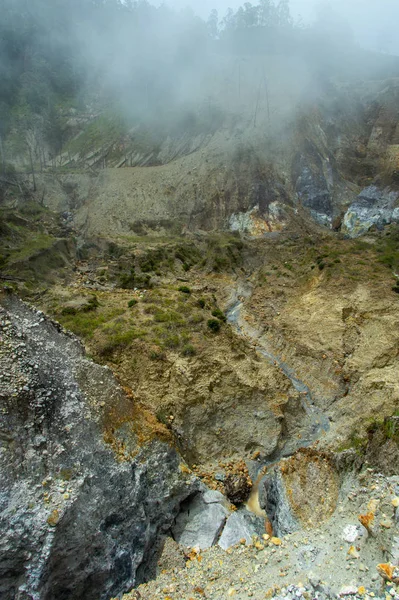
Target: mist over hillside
point(65, 64)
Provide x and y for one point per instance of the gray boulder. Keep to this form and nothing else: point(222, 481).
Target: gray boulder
point(201, 520)
point(313, 192)
point(273, 499)
point(241, 525)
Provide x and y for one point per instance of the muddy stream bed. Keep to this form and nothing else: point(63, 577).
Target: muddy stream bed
point(317, 422)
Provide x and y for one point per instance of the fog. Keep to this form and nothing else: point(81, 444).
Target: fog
point(176, 73)
point(374, 22)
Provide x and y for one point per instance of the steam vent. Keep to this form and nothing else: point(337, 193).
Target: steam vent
point(199, 300)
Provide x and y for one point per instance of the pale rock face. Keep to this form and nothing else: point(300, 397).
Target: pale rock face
point(373, 207)
point(199, 523)
point(258, 224)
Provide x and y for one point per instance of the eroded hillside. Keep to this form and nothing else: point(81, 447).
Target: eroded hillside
point(237, 297)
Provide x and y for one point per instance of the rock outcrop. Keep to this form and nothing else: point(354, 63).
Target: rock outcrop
point(231, 179)
point(301, 491)
point(83, 500)
point(374, 207)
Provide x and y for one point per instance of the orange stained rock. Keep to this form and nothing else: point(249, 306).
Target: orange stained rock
point(268, 528)
point(367, 520)
point(361, 591)
point(276, 541)
point(199, 590)
point(388, 572)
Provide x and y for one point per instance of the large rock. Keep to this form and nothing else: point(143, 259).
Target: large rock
point(82, 504)
point(373, 207)
point(301, 491)
point(241, 525)
point(201, 520)
point(273, 498)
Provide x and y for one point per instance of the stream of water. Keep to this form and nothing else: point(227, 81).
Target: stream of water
point(317, 421)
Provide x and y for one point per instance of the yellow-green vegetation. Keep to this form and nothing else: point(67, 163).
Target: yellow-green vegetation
point(333, 259)
point(388, 427)
point(223, 252)
point(385, 428)
point(356, 443)
point(29, 242)
point(34, 243)
point(142, 261)
point(85, 323)
point(388, 250)
point(162, 319)
point(388, 247)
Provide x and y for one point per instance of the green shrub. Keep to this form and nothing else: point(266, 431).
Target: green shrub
point(201, 303)
point(219, 315)
point(189, 350)
point(132, 303)
point(172, 341)
point(114, 251)
point(214, 325)
point(69, 310)
point(184, 289)
point(395, 288)
point(92, 304)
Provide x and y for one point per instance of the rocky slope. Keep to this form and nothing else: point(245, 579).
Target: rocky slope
point(335, 157)
point(263, 363)
point(331, 556)
point(82, 500)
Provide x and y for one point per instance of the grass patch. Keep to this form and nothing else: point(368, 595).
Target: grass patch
point(188, 350)
point(356, 443)
point(32, 245)
point(85, 324)
point(389, 427)
point(224, 252)
point(119, 341)
point(388, 248)
point(170, 317)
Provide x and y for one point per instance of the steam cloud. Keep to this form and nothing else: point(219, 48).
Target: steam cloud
point(174, 71)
